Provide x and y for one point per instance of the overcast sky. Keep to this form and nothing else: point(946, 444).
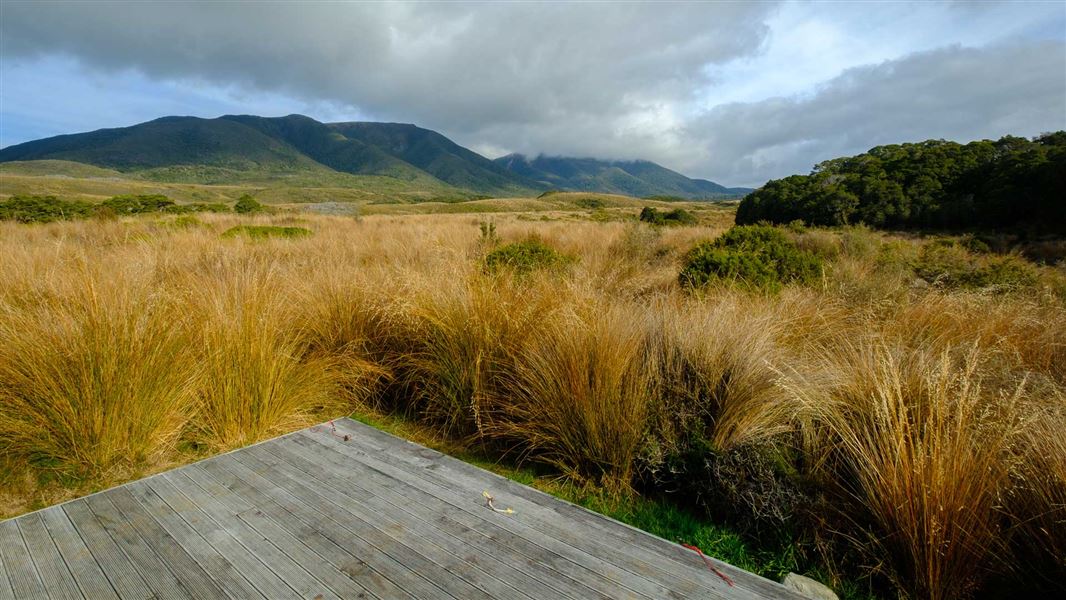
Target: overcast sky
point(736, 92)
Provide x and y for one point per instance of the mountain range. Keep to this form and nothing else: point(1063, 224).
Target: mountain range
point(244, 147)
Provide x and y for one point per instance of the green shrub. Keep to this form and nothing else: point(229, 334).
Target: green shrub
point(589, 203)
point(754, 256)
point(131, 204)
point(184, 222)
point(948, 264)
point(526, 256)
point(247, 205)
point(43, 209)
point(262, 232)
point(196, 207)
point(678, 216)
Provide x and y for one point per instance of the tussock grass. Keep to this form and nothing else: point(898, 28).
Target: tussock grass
point(95, 376)
point(919, 449)
point(873, 423)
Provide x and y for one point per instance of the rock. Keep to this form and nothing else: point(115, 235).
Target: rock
point(805, 586)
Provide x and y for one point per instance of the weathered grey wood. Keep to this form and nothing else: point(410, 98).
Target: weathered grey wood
point(18, 566)
point(466, 561)
point(392, 538)
point(645, 550)
point(625, 571)
point(331, 523)
point(286, 523)
point(227, 535)
point(83, 566)
point(298, 567)
point(172, 555)
point(58, 581)
point(150, 567)
point(113, 562)
point(311, 515)
point(502, 569)
point(621, 581)
point(218, 567)
point(6, 593)
point(547, 570)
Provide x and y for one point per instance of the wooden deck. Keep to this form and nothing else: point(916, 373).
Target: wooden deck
point(310, 515)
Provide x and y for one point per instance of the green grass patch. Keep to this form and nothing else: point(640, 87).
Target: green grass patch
point(262, 232)
point(525, 257)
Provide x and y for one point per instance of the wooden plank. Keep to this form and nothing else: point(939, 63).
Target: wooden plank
point(218, 567)
point(6, 593)
point(83, 566)
point(330, 523)
point(232, 540)
point(596, 556)
point(274, 546)
point(393, 538)
point(122, 531)
point(543, 568)
point(313, 516)
point(19, 568)
point(173, 561)
point(242, 497)
point(501, 567)
point(57, 579)
point(643, 551)
point(116, 566)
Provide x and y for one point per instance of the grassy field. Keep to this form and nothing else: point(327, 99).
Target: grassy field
point(76, 181)
point(893, 425)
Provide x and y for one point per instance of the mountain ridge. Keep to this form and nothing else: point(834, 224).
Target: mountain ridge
point(630, 177)
point(299, 145)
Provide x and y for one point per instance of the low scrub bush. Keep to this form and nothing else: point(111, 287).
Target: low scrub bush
point(197, 207)
point(184, 222)
point(43, 209)
point(591, 203)
point(753, 256)
point(247, 205)
point(677, 216)
point(138, 204)
point(526, 256)
point(948, 264)
point(262, 232)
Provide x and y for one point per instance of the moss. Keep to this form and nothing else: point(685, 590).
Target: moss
point(261, 232)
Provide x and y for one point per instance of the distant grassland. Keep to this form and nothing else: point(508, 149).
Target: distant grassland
point(209, 184)
point(333, 193)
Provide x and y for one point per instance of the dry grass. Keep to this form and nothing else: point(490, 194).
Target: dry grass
point(928, 420)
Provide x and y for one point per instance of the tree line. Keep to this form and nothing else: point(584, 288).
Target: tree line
point(1010, 183)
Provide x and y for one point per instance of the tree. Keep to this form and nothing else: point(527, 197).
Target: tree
point(246, 205)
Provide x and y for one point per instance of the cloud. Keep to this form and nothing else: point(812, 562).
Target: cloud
point(458, 67)
point(951, 93)
point(736, 92)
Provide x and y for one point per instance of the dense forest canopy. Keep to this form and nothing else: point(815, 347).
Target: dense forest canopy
point(1011, 183)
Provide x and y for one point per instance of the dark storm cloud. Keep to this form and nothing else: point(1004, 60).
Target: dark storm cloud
point(458, 67)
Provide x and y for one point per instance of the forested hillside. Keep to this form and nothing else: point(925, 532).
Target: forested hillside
point(1011, 183)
